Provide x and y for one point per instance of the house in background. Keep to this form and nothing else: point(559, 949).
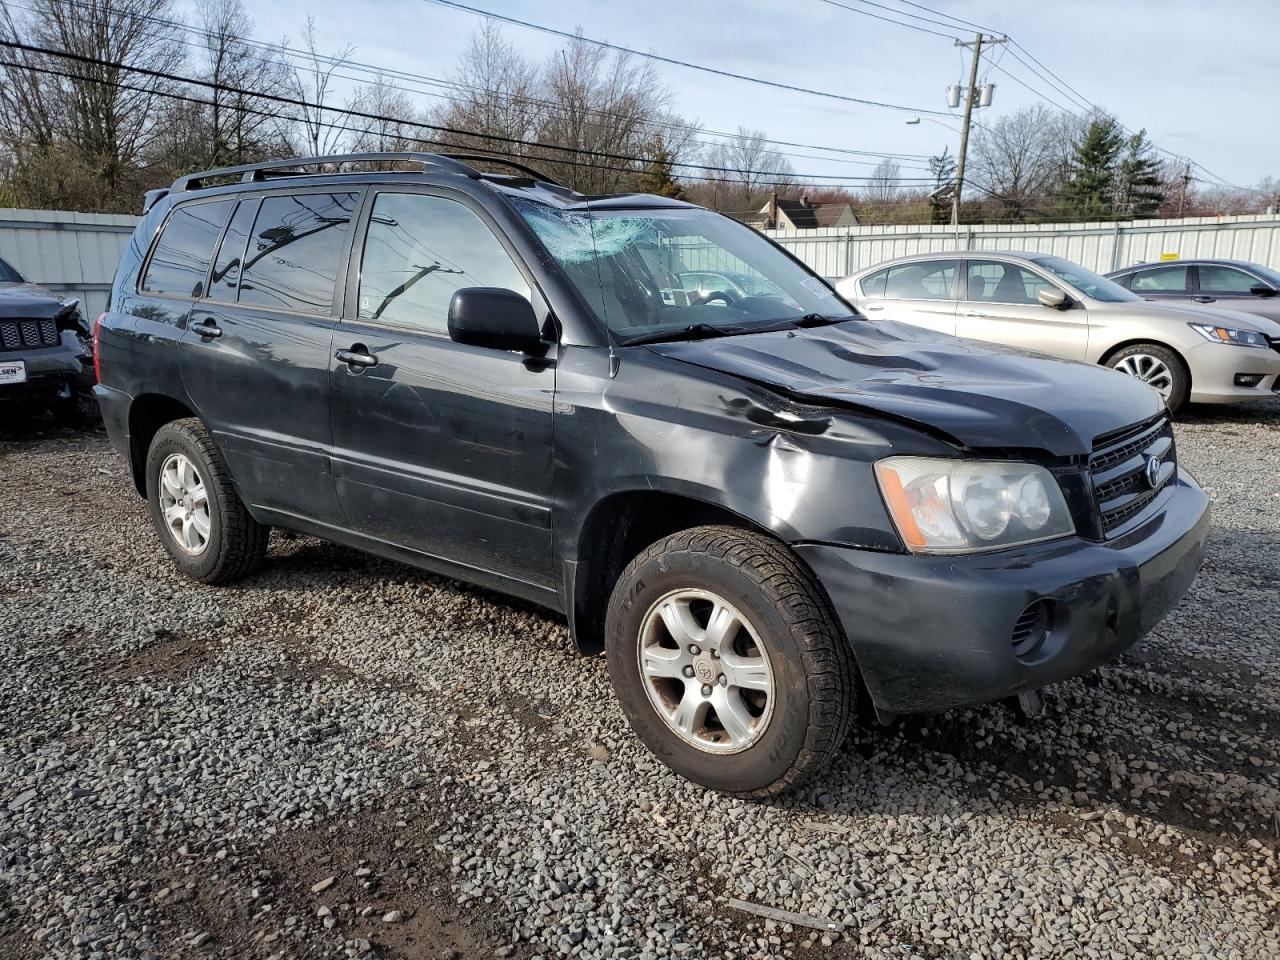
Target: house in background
point(783, 214)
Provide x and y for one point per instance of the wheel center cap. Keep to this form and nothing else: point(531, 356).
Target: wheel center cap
point(704, 669)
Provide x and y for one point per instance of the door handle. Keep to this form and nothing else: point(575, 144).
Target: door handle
point(358, 357)
point(208, 329)
point(1203, 299)
point(972, 313)
point(872, 307)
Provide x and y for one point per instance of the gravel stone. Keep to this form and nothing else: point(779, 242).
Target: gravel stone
point(180, 764)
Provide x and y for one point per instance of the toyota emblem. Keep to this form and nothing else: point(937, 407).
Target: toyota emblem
point(1152, 472)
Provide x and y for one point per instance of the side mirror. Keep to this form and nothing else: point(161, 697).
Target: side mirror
point(1262, 290)
point(1053, 298)
point(495, 318)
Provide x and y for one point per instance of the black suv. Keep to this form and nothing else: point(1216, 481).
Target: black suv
point(45, 358)
point(762, 506)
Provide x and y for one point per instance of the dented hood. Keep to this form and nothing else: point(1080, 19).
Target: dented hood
point(27, 300)
point(980, 394)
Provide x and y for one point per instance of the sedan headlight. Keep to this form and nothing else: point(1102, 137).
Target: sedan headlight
point(1221, 334)
point(962, 506)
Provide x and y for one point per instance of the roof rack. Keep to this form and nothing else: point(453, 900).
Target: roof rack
point(257, 172)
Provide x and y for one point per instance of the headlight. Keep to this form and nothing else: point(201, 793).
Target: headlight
point(960, 506)
point(1219, 334)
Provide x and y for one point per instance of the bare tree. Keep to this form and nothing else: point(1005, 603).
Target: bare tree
point(395, 128)
point(241, 126)
point(601, 105)
point(885, 183)
point(312, 83)
point(1018, 160)
point(497, 97)
point(92, 118)
point(743, 170)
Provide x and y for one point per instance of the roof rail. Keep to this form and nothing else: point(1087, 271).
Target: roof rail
point(256, 172)
point(252, 172)
point(535, 174)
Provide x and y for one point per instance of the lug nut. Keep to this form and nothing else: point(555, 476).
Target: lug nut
point(688, 671)
point(693, 648)
point(724, 679)
point(715, 654)
point(706, 689)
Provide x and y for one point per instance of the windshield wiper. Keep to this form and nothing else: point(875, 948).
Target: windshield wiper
point(695, 331)
point(819, 320)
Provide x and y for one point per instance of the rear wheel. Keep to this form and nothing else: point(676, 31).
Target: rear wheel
point(1158, 367)
point(201, 520)
point(728, 662)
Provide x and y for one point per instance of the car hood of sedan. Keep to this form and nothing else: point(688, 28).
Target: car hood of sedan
point(27, 300)
point(983, 396)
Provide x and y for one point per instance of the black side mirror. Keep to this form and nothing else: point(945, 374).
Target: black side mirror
point(1262, 290)
point(1053, 298)
point(495, 318)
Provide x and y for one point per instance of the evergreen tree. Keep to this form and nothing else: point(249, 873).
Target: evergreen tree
point(657, 177)
point(1091, 184)
point(1140, 187)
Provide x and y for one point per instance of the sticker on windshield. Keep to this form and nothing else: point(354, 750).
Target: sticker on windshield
point(817, 287)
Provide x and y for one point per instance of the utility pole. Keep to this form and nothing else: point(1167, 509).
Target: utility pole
point(1182, 189)
point(970, 95)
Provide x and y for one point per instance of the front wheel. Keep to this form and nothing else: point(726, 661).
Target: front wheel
point(727, 661)
point(1159, 368)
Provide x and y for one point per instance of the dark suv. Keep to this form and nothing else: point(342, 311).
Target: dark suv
point(762, 506)
point(44, 350)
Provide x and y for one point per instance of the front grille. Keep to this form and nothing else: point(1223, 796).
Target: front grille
point(28, 334)
point(1121, 476)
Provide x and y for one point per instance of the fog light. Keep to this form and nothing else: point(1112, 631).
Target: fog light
point(1248, 379)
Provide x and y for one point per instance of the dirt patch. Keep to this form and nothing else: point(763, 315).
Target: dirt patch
point(171, 657)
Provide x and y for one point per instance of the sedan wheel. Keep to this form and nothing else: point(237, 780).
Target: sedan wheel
point(1150, 370)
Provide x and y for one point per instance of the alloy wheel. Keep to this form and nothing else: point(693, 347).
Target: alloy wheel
point(706, 671)
point(184, 502)
point(1150, 370)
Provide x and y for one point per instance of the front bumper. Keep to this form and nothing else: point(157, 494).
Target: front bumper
point(933, 632)
point(52, 372)
point(1214, 367)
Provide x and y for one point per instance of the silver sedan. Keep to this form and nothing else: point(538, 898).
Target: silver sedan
point(1050, 305)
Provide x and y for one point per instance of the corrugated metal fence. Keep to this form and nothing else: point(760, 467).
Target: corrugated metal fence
point(839, 251)
point(74, 254)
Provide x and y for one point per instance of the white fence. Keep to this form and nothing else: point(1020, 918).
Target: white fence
point(73, 254)
point(839, 251)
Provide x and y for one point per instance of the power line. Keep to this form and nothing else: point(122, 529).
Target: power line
point(868, 13)
point(681, 63)
point(292, 101)
point(423, 79)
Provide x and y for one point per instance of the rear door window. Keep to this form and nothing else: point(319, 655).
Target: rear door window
point(180, 261)
point(922, 280)
point(292, 257)
point(873, 284)
point(1160, 280)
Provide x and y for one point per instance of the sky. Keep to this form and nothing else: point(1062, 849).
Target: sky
point(1200, 78)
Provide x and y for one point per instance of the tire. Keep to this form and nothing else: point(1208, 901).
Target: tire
point(788, 647)
point(214, 539)
point(1158, 367)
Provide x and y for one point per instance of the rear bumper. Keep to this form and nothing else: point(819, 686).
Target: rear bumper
point(114, 405)
point(931, 633)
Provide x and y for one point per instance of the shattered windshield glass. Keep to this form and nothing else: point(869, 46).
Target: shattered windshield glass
point(648, 273)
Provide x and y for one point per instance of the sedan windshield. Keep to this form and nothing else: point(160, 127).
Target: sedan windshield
point(1271, 276)
point(8, 274)
point(666, 273)
point(1086, 281)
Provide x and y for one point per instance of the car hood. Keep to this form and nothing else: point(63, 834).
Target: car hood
point(1191, 313)
point(29, 300)
point(979, 394)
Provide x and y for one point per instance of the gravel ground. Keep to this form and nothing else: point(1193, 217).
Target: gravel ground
point(343, 757)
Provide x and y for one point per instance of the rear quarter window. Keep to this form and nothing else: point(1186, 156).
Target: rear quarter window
point(180, 260)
